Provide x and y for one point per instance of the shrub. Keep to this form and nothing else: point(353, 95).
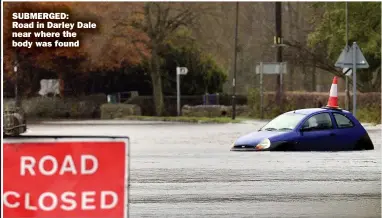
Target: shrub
point(112, 111)
point(205, 111)
point(369, 114)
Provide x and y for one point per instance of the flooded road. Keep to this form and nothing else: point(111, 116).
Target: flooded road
point(187, 170)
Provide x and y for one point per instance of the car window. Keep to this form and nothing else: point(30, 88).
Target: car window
point(284, 122)
point(319, 122)
point(342, 121)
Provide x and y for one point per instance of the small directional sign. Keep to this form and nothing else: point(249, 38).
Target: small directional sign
point(272, 68)
point(345, 59)
point(347, 71)
point(181, 70)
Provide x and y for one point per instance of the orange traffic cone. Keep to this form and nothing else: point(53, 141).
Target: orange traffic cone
point(333, 96)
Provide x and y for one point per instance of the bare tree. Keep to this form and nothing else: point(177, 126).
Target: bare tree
point(162, 20)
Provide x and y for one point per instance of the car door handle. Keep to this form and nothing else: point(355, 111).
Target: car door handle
point(332, 134)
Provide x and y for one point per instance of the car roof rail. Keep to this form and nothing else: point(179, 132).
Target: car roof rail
point(332, 108)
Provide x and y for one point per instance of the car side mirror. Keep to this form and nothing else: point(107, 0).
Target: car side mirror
point(306, 129)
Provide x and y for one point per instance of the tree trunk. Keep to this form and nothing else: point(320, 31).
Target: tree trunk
point(314, 81)
point(156, 81)
point(291, 73)
point(305, 78)
point(61, 79)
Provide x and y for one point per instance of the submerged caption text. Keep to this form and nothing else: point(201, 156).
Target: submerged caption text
point(45, 30)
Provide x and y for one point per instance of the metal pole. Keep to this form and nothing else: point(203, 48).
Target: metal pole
point(354, 79)
point(178, 91)
point(261, 92)
point(347, 92)
point(279, 58)
point(234, 66)
point(281, 75)
point(15, 66)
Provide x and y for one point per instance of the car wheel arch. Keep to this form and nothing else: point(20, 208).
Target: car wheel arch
point(282, 146)
point(364, 143)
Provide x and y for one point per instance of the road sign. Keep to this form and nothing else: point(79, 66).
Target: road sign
point(181, 70)
point(352, 57)
point(272, 68)
point(345, 60)
point(347, 71)
point(66, 177)
point(279, 68)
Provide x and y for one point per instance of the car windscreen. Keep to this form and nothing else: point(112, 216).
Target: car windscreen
point(284, 122)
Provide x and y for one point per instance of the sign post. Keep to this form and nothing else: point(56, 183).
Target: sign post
point(66, 177)
point(269, 68)
point(352, 57)
point(179, 71)
point(347, 72)
point(261, 91)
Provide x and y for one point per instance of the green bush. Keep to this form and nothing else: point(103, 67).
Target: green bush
point(369, 114)
point(112, 111)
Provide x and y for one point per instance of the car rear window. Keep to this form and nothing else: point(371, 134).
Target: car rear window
point(342, 121)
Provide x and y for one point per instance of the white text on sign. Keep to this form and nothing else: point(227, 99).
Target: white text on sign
point(68, 203)
point(48, 165)
point(28, 164)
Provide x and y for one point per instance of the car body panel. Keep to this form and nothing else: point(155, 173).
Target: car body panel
point(336, 138)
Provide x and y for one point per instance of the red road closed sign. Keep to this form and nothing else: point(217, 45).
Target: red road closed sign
point(66, 177)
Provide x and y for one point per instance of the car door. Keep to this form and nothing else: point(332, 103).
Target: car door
point(316, 133)
point(346, 133)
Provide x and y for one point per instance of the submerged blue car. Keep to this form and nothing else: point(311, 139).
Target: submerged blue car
point(313, 129)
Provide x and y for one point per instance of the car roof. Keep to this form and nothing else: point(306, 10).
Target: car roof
point(308, 111)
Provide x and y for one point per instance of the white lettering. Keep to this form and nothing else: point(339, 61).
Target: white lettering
point(68, 166)
point(88, 25)
point(25, 44)
point(42, 198)
point(85, 200)
point(65, 199)
point(6, 202)
point(41, 165)
point(103, 199)
point(85, 171)
point(24, 165)
point(23, 25)
point(28, 202)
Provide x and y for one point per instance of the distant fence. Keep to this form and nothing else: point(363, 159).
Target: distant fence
point(148, 109)
point(121, 97)
point(211, 99)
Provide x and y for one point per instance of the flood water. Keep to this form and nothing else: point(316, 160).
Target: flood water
point(187, 170)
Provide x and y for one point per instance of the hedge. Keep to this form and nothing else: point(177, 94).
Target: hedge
point(368, 104)
point(112, 111)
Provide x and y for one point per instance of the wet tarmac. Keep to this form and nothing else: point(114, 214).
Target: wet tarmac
point(187, 170)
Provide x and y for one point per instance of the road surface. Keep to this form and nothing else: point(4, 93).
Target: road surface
point(187, 170)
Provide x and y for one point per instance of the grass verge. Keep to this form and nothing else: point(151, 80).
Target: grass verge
point(369, 115)
point(185, 119)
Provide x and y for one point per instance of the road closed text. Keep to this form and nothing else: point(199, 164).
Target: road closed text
point(48, 165)
point(66, 201)
point(65, 179)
